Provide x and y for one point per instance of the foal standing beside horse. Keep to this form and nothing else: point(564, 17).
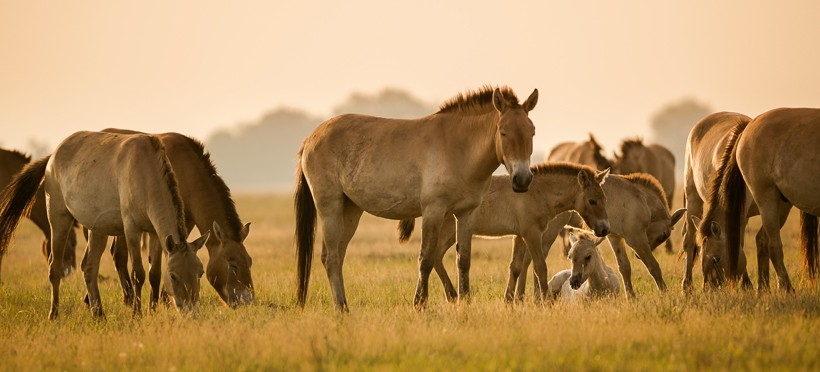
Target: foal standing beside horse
point(113, 185)
point(434, 167)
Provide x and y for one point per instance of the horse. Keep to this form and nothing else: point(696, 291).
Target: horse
point(587, 153)
point(208, 205)
point(704, 168)
point(11, 162)
point(112, 184)
point(434, 167)
point(656, 160)
point(638, 215)
point(773, 157)
point(589, 277)
point(556, 187)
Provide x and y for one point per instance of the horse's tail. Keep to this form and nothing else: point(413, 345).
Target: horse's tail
point(305, 232)
point(18, 198)
point(808, 242)
point(405, 229)
point(733, 197)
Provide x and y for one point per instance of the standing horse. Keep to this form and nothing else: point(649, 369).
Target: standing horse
point(776, 158)
point(208, 205)
point(113, 185)
point(433, 167)
point(655, 160)
point(638, 215)
point(11, 162)
point(589, 277)
point(704, 168)
point(555, 187)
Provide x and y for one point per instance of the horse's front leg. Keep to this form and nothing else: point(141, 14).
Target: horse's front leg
point(132, 241)
point(432, 220)
point(91, 270)
point(464, 240)
point(539, 265)
point(447, 237)
point(518, 270)
point(624, 266)
point(644, 251)
point(119, 252)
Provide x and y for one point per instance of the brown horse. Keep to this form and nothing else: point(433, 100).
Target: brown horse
point(638, 215)
point(588, 153)
point(208, 205)
point(113, 185)
point(704, 168)
point(655, 160)
point(555, 187)
point(433, 167)
point(11, 162)
point(776, 158)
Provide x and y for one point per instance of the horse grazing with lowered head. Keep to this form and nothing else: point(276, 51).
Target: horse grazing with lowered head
point(705, 166)
point(656, 160)
point(11, 162)
point(776, 158)
point(638, 216)
point(589, 277)
point(112, 184)
point(434, 167)
point(208, 206)
point(555, 187)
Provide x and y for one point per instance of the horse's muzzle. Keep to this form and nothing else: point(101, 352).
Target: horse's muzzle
point(521, 181)
point(243, 298)
point(575, 281)
point(602, 229)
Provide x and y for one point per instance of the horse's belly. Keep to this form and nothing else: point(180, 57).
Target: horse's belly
point(387, 205)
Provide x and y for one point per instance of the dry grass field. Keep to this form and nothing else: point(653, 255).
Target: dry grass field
point(727, 330)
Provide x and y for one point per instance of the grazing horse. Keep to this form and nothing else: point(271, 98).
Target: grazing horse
point(587, 153)
point(112, 184)
point(655, 160)
point(433, 167)
point(589, 277)
point(776, 158)
point(11, 162)
point(638, 215)
point(704, 168)
point(555, 187)
point(208, 205)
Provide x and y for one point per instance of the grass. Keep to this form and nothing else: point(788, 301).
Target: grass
point(717, 331)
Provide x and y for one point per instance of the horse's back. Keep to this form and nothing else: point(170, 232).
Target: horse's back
point(705, 147)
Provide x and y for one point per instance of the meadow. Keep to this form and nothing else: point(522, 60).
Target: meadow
point(723, 330)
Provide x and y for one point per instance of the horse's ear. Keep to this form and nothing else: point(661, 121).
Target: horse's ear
point(601, 176)
point(499, 102)
point(716, 229)
point(244, 232)
point(695, 222)
point(572, 238)
point(201, 240)
point(583, 179)
point(676, 216)
point(170, 245)
point(218, 234)
point(529, 104)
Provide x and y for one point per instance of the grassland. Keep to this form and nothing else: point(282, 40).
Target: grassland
point(670, 331)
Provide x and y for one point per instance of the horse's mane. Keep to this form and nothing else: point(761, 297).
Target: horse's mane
point(173, 187)
point(629, 144)
point(717, 184)
point(223, 191)
point(649, 182)
point(25, 158)
point(561, 167)
point(597, 152)
point(477, 101)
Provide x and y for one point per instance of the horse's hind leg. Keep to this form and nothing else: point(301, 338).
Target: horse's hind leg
point(644, 251)
point(539, 265)
point(519, 250)
point(624, 266)
point(132, 239)
point(331, 212)
point(91, 270)
point(762, 243)
point(447, 237)
point(432, 221)
point(119, 252)
point(154, 270)
point(464, 247)
point(771, 208)
point(352, 215)
point(61, 221)
point(694, 207)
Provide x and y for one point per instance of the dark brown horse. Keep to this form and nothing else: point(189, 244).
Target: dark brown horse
point(11, 162)
point(434, 167)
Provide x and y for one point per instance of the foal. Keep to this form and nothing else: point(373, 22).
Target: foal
point(589, 277)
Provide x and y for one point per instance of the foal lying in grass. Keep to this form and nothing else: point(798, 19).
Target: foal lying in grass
point(589, 277)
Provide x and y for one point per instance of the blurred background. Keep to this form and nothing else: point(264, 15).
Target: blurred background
point(252, 79)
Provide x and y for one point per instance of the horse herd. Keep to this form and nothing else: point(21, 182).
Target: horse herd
point(154, 189)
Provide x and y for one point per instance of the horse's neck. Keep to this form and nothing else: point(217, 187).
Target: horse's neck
point(599, 278)
point(556, 193)
point(474, 135)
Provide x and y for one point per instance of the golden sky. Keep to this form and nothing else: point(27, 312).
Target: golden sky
point(194, 66)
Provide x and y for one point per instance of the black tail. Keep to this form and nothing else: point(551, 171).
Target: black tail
point(18, 198)
point(733, 198)
point(305, 233)
point(405, 229)
point(808, 242)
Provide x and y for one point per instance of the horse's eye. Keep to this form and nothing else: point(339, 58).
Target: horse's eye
point(588, 258)
point(503, 134)
point(592, 202)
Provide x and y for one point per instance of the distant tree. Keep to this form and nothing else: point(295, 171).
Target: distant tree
point(38, 148)
point(390, 102)
point(670, 126)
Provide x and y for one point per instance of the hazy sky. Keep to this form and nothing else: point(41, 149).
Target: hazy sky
point(193, 66)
